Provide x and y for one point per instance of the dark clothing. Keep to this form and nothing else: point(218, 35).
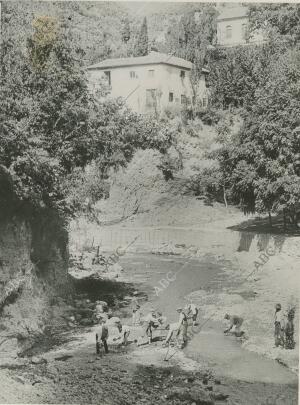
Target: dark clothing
point(236, 321)
point(278, 334)
point(289, 335)
point(103, 335)
point(194, 317)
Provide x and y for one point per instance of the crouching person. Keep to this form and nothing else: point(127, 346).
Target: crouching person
point(101, 337)
point(235, 323)
point(124, 331)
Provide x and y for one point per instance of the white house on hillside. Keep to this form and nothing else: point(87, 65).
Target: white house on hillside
point(232, 27)
point(148, 83)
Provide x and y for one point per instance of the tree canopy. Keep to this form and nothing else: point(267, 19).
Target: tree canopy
point(141, 47)
point(262, 165)
point(51, 124)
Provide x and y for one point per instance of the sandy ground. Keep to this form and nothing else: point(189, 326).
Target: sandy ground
point(73, 373)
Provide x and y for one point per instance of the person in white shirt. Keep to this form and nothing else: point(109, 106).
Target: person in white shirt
point(135, 309)
point(192, 311)
point(151, 322)
point(124, 331)
point(178, 327)
point(102, 335)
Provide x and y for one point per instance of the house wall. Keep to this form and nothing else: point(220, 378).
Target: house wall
point(165, 79)
point(237, 37)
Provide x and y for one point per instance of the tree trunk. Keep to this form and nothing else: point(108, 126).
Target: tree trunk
point(270, 219)
point(224, 196)
point(295, 222)
point(284, 220)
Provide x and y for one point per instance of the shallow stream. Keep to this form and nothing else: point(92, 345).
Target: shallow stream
point(224, 354)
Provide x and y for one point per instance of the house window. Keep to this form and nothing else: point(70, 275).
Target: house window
point(151, 73)
point(108, 77)
point(133, 75)
point(171, 97)
point(150, 97)
point(182, 74)
point(183, 99)
point(229, 31)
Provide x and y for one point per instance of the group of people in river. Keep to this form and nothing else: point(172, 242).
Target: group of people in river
point(187, 316)
point(154, 319)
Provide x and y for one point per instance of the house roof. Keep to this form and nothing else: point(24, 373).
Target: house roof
point(151, 59)
point(230, 13)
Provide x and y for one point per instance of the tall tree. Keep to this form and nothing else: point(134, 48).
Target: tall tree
point(126, 31)
point(263, 163)
point(280, 21)
point(189, 37)
point(141, 46)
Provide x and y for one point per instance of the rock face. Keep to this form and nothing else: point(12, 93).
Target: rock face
point(33, 268)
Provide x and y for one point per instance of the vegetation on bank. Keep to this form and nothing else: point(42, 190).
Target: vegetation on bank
point(60, 143)
point(51, 125)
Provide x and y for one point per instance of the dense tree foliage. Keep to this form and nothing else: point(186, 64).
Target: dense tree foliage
point(50, 124)
point(259, 167)
point(141, 47)
point(236, 73)
point(278, 20)
point(52, 127)
point(189, 36)
point(126, 31)
point(261, 164)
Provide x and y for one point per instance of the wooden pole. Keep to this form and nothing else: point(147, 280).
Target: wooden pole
point(224, 196)
point(284, 220)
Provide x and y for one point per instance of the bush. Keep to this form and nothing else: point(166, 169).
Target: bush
point(210, 116)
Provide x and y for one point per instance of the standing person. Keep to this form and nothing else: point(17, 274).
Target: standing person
point(289, 330)
point(102, 335)
point(278, 326)
point(178, 328)
point(183, 322)
point(235, 323)
point(137, 318)
point(193, 310)
point(151, 322)
point(99, 311)
point(135, 307)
